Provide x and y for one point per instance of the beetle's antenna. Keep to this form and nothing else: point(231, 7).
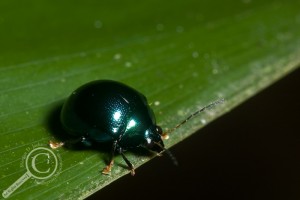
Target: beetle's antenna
point(175, 162)
point(165, 135)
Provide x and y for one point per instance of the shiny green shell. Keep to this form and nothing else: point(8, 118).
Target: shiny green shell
point(106, 111)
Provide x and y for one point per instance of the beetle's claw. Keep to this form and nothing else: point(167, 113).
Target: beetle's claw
point(132, 172)
point(107, 169)
point(55, 145)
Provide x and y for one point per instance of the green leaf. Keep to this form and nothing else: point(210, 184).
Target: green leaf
point(182, 56)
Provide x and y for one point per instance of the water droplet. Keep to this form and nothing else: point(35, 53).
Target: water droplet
point(128, 64)
point(156, 103)
point(160, 27)
point(82, 54)
point(283, 36)
point(191, 45)
point(179, 29)
point(298, 19)
point(195, 54)
point(180, 113)
point(215, 71)
point(215, 66)
point(206, 56)
point(98, 24)
point(117, 56)
point(203, 121)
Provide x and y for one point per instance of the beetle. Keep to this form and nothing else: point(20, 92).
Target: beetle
point(107, 111)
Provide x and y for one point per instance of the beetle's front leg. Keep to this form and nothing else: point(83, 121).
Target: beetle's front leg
point(129, 164)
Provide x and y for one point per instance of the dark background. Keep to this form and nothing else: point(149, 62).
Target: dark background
point(252, 152)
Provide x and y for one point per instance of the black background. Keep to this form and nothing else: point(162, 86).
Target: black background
point(252, 152)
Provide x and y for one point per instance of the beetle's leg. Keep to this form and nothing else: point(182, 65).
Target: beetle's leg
point(129, 164)
point(120, 150)
point(107, 169)
point(55, 145)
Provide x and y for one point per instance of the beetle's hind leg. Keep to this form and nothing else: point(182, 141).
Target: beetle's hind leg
point(55, 145)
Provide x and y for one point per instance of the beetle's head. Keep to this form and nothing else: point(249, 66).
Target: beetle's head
point(153, 140)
